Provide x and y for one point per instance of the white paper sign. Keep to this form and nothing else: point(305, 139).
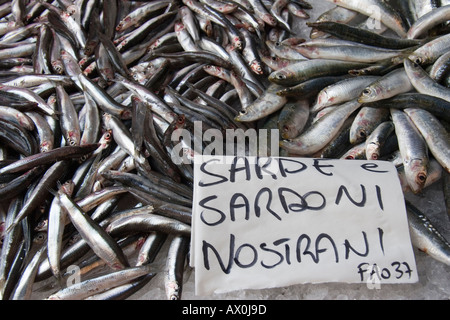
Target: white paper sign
point(273, 222)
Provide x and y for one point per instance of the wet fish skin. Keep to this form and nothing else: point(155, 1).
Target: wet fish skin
point(377, 138)
point(362, 36)
point(51, 156)
point(365, 122)
point(342, 91)
point(437, 106)
point(99, 240)
point(389, 85)
point(24, 286)
point(318, 135)
point(425, 236)
point(387, 15)
point(434, 133)
point(266, 104)
point(175, 264)
point(427, 21)
point(148, 222)
point(413, 150)
point(57, 220)
point(100, 284)
point(423, 83)
point(293, 119)
point(310, 69)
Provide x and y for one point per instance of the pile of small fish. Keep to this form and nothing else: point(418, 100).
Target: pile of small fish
point(92, 91)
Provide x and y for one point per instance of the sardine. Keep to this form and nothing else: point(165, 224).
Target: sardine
point(386, 14)
point(293, 119)
point(310, 69)
point(425, 236)
point(318, 135)
point(390, 85)
point(423, 83)
point(263, 106)
point(342, 91)
point(434, 133)
point(413, 150)
point(428, 21)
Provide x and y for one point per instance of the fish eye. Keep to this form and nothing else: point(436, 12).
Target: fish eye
point(243, 112)
point(281, 77)
point(417, 61)
point(422, 177)
point(366, 92)
point(362, 134)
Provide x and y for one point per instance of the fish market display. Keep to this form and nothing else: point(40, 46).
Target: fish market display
point(93, 92)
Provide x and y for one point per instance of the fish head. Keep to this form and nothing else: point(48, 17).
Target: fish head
point(45, 146)
point(173, 290)
point(256, 67)
point(287, 131)
point(40, 238)
point(279, 76)
point(368, 94)
point(322, 98)
point(242, 115)
point(179, 26)
point(416, 174)
point(269, 19)
point(67, 187)
point(416, 58)
point(58, 66)
point(372, 151)
point(73, 138)
point(237, 43)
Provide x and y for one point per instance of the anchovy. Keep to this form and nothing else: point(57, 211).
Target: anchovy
point(100, 284)
point(57, 220)
point(176, 257)
point(349, 53)
point(51, 156)
point(99, 241)
point(148, 222)
point(96, 92)
point(24, 286)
